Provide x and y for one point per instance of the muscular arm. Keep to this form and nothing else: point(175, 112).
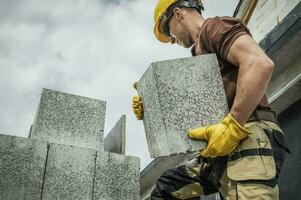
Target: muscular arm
point(255, 70)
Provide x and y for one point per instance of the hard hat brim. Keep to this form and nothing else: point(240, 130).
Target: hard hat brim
point(161, 37)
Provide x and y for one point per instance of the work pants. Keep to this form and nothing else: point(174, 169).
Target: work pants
point(251, 172)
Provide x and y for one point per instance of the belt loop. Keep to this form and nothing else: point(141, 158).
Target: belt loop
point(239, 155)
point(275, 117)
point(260, 152)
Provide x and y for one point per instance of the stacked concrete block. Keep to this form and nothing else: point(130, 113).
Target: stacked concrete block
point(115, 140)
point(69, 173)
point(71, 162)
point(116, 177)
point(178, 95)
point(22, 165)
point(70, 120)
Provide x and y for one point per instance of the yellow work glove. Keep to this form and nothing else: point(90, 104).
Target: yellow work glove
point(222, 138)
point(137, 105)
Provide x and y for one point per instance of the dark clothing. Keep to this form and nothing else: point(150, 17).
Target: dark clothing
point(177, 178)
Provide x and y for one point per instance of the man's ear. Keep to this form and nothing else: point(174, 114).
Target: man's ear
point(178, 14)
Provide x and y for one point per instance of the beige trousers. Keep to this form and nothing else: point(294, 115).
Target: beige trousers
point(247, 176)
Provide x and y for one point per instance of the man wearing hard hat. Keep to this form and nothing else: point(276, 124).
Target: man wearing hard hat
point(245, 151)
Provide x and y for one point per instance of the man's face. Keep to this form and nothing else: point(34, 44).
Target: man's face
point(179, 34)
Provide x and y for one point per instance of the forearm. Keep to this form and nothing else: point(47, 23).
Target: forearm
point(251, 86)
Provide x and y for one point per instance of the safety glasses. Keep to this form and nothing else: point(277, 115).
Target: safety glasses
point(164, 26)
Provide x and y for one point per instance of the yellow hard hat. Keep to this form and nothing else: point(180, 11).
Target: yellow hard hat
point(161, 17)
point(160, 10)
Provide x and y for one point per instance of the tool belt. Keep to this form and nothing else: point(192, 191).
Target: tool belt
point(260, 114)
point(219, 164)
point(251, 152)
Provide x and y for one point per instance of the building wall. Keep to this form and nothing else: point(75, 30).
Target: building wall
point(267, 14)
point(290, 178)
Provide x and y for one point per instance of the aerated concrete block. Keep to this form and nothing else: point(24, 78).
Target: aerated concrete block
point(69, 119)
point(150, 174)
point(22, 165)
point(117, 177)
point(178, 95)
point(69, 173)
point(115, 141)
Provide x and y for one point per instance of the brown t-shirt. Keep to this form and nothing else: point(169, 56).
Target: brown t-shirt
point(217, 36)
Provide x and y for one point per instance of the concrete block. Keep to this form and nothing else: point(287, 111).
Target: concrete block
point(115, 141)
point(69, 173)
point(117, 177)
point(69, 119)
point(22, 165)
point(178, 95)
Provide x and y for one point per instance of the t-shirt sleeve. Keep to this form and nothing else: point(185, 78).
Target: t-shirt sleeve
point(218, 34)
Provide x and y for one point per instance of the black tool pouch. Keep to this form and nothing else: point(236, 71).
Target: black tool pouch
point(279, 146)
point(219, 166)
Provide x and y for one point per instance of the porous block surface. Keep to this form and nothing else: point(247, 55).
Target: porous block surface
point(69, 173)
point(69, 119)
point(115, 140)
point(117, 177)
point(22, 165)
point(178, 95)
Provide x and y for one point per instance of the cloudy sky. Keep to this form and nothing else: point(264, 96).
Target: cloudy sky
point(93, 48)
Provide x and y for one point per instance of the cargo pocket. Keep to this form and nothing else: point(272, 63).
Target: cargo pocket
point(253, 159)
point(279, 146)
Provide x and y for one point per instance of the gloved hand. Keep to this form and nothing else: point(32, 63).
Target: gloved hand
point(222, 138)
point(137, 105)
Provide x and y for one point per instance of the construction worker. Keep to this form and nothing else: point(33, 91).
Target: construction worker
point(245, 151)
